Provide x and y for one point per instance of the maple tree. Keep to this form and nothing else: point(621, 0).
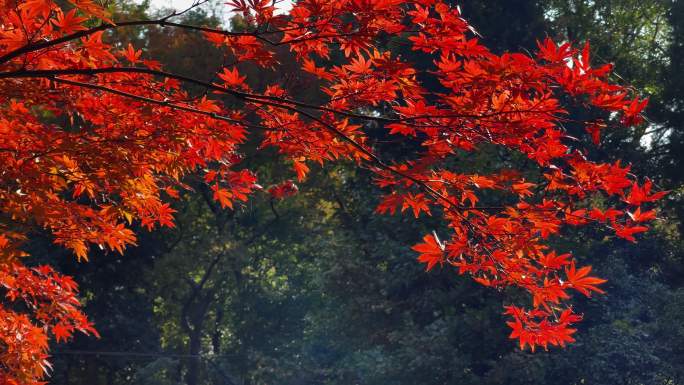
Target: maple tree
point(94, 138)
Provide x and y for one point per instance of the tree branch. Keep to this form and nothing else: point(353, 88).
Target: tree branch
point(250, 97)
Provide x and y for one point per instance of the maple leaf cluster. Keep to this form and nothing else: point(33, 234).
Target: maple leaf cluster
point(94, 138)
point(54, 311)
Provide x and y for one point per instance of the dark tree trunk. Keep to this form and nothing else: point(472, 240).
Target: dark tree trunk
point(194, 364)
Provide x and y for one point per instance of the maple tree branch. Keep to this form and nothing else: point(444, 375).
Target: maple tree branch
point(272, 101)
point(251, 97)
point(261, 99)
point(145, 99)
point(374, 158)
point(267, 100)
point(163, 22)
point(213, 115)
point(246, 96)
point(112, 70)
point(329, 127)
point(450, 206)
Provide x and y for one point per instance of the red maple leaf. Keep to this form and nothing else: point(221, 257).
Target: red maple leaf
point(581, 281)
point(431, 251)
